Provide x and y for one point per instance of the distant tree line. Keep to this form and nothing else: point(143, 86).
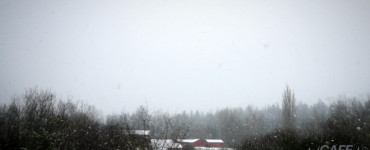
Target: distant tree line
point(37, 119)
point(294, 125)
point(344, 122)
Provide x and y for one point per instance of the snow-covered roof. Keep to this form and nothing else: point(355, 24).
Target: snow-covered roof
point(141, 132)
point(187, 140)
point(164, 143)
point(214, 141)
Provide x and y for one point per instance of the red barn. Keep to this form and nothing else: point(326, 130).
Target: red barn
point(194, 142)
point(214, 143)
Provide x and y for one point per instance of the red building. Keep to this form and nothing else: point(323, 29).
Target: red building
point(194, 142)
point(213, 143)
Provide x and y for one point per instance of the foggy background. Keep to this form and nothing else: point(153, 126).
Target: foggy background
point(185, 55)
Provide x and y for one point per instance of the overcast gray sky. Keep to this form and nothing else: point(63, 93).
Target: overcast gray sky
point(185, 54)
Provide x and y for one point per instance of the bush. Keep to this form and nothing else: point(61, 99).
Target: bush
point(188, 147)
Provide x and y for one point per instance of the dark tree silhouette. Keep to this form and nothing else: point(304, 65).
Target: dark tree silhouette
point(289, 109)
